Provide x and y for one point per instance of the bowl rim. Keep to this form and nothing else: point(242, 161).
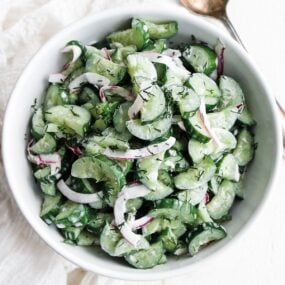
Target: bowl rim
point(172, 11)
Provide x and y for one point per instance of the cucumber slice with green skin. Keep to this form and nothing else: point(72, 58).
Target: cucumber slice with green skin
point(88, 95)
point(232, 94)
point(101, 168)
point(174, 162)
point(109, 239)
point(221, 203)
point(224, 119)
point(163, 260)
point(43, 175)
point(197, 175)
point(168, 239)
point(134, 204)
point(123, 247)
point(48, 188)
point(55, 95)
point(87, 239)
point(174, 209)
point(111, 142)
point(201, 58)
point(91, 51)
point(147, 170)
point(228, 168)
point(155, 104)
point(198, 150)
point(111, 70)
point(121, 53)
point(69, 116)
point(195, 127)
point(193, 196)
point(165, 178)
point(72, 214)
point(50, 208)
point(156, 46)
point(47, 144)
point(244, 151)
point(214, 184)
point(205, 234)
point(126, 165)
point(151, 131)
point(158, 30)
point(146, 258)
point(171, 80)
point(207, 87)
point(188, 101)
point(138, 35)
point(246, 118)
point(121, 117)
point(97, 222)
point(71, 233)
point(141, 69)
point(203, 214)
point(38, 124)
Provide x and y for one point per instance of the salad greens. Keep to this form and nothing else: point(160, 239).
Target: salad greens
point(139, 148)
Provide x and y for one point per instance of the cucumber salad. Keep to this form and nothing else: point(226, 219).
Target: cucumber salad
point(140, 147)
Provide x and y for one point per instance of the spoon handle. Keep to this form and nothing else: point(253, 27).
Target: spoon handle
point(229, 26)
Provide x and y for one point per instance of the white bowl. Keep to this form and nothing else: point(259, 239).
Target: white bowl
point(260, 176)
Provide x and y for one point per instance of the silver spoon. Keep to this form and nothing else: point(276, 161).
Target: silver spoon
point(217, 9)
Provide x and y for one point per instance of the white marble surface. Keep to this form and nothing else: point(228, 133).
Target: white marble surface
point(257, 257)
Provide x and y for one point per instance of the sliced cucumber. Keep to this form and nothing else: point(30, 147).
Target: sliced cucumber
point(196, 128)
point(201, 58)
point(197, 175)
point(169, 240)
point(141, 69)
point(221, 203)
point(146, 258)
point(137, 36)
point(246, 118)
point(207, 87)
point(161, 191)
point(121, 53)
point(50, 208)
point(109, 239)
point(38, 124)
point(188, 101)
point(109, 141)
point(101, 168)
point(174, 209)
point(156, 46)
point(48, 188)
point(97, 222)
point(149, 131)
point(56, 95)
point(205, 234)
point(155, 104)
point(174, 162)
point(69, 116)
point(121, 116)
point(198, 150)
point(245, 148)
point(72, 214)
point(100, 65)
point(193, 196)
point(47, 144)
point(228, 168)
point(87, 239)
point(232, 94)
point(224, 119)
point(159, 30)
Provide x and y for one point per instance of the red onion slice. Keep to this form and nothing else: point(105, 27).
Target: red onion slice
point(107, 54)
point(122, 92)
point(136, 107)
point(78, 197)
point(129, 192)
point(168, 61)
point(220, 50)
point(141, 222)
point(76, 51)
point(56, 78)
point(206, 122)
point(181, 126)
point(90, 77)
point(141, 152)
